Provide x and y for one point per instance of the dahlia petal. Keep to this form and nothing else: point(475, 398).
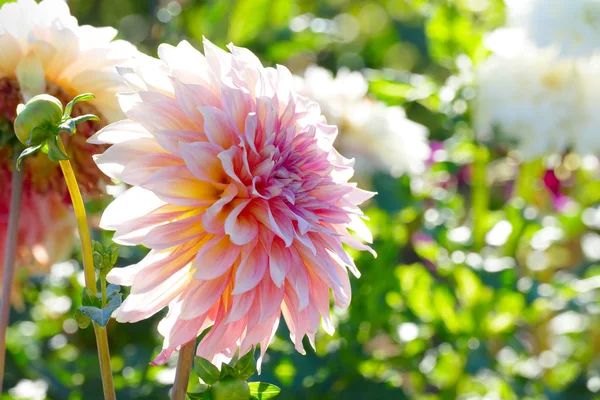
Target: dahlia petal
point(215, 258)
point(31, 76)
point(141, 306)
point(241, 226)
point(161, 113)
point(280, 262)
point(176, 185)
point(174, 233)
point(190, 97)
point(203, 297)
point(159, 265)
point(269, 299)
point(138, 171)
point(113, 161)
point(237, 103)
point(185, 62)
point(251, 269)
point(218, 128)
point(261, 210)
point(118, 132)
point(133, 203)
point(202, 161)
point(215, 216)
point(240, 306)
point(171, 140)
point(12, 53)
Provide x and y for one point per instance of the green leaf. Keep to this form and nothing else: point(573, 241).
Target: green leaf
point(206, 370)
point(76, 99)
point(54, 151)
point(263, 390)
point(102, 316)
point(28, 151)
point(226, 370)
point(88, 299)
point(199, 396)
point(111, 290)
point(245, 367)
point(82, 320)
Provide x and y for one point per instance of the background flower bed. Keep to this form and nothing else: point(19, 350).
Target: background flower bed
point(434, 316)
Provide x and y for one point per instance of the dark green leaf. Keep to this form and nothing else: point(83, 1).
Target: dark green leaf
point(263, 390)
point(25, 153)
point(102, 316)
point(206, 370)
point(54, 151)
point(245, 367)
point(76, 99)
point(88, 299)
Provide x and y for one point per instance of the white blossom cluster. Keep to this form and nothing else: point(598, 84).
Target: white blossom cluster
point(380, 137)
point(540, 88)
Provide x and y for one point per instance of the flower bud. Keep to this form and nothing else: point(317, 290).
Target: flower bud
point(38, 119)
point(230, 389)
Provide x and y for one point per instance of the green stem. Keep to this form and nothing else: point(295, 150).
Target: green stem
point(89, 272)
point(103, 286)
point(10, 253)
point(480, 197)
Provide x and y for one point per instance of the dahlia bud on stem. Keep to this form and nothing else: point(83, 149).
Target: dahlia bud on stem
point(38, 126)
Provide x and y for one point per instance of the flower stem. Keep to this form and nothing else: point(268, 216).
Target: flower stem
point(184, 368)
point(89, 273)
point(480, 196)
point(10, 253)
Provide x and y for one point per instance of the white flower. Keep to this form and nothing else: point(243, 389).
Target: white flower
point(380, 137)
point(541, 102)
point(572, 27)
point(43, 44)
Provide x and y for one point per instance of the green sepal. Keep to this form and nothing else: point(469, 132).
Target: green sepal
point(28, 151)
point(226, 370)
point(206, 370)
point(37, 133)
point(84, 118)
point(54, 151)
point(76, 99)
point(68, 126)
point(263, 390)
point(245, 367)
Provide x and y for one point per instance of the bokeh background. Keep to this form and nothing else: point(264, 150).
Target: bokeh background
point(438, 314)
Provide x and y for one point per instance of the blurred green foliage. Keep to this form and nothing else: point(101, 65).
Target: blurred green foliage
point(433, 317)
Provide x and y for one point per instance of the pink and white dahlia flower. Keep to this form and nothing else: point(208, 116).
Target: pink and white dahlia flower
point(239, 194)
